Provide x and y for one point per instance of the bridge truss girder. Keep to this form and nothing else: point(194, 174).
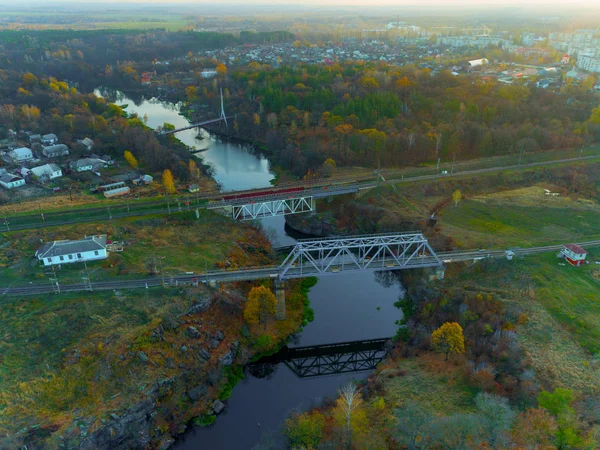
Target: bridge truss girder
point(380, 252)
point(336, 363)
point(271, 208)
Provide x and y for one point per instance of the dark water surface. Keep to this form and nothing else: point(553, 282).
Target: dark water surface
point(345, 305)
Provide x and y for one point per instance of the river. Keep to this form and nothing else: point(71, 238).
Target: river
point(235, 167)
point(347, 307)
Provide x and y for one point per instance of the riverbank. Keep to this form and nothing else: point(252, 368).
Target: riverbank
point(135, 371)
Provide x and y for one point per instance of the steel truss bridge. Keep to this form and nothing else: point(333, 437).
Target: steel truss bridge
point(279, 204)
point(293, 269)
point(330, 359)
point(315, 257)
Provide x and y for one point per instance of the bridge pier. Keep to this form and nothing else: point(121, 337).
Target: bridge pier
point(437, 273)
point(280, 294)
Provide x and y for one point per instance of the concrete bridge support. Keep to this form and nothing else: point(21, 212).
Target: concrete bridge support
point(280, 294)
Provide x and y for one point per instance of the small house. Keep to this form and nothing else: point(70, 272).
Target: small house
point(49, 139)
point(20, 155)
point(87, 143)
point(143, 180)
point(64, 252)
point(47, 172)
point(208, 73)
point(34, 138)
point(10, 181)
point(55, 151)
point(87, 164)
point(574, 254)
point(193, 188)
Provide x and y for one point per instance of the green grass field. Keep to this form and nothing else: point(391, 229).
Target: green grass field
point(523, 217)
point(180, 243)
point(562, 337)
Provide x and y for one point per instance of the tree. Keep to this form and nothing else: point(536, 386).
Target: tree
point(256, 119)
point(328, 167)
point(496, 418)
point(193, 168)
point(191, 93)
point(448, 339)
point(558, 403)
point(412, 425)
point(262, 303)
point(456, 432)
point(221, 69)
point(349, 401)
point(535, 428)
point(130, 159)
point(167, 179)
point(456, 197)
point(305, 430)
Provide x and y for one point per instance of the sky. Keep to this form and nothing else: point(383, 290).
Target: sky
point(445, 3)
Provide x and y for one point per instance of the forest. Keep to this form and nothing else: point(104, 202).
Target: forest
point(376, 114)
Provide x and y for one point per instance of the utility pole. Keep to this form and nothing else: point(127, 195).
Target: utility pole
point(168, 204)
point(6, 222)
point(42, 213)
point(437, 167)
point(87, 282)
point(453, 159)
point(520, 155)
point(109, 213)
point(162, 275)
point(581, 151)
point(54, 282)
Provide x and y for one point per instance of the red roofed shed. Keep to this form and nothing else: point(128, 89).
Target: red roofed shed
point(574, 254)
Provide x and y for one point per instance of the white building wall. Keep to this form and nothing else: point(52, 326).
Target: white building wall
point(85, 256)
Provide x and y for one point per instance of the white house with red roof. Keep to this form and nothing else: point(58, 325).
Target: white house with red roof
point(574, 254)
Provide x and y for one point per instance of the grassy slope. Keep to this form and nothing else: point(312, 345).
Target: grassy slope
point(563, 306)
point(185, 243)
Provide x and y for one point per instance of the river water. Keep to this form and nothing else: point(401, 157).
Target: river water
point(347, 307)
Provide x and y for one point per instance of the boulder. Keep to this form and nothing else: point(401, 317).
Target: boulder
point(201, 305)
point(193, 332)
point(214, 343)
point(227, 358)
point(143, 357)
point(218, 406)
point(197, 393)
point(219, 335)
point(204, 354)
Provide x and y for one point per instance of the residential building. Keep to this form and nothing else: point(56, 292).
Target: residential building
point(208, 73)
point(64, 252)
point(55, 151)
point(49, 139)
point(87, 143)
point(87, 164)
point(574, 254)
point(478, 62)
point(47, 172)
point(34, 138)
point(10, 181)
point(20, 155)
point(143, 180)
point(589, 64)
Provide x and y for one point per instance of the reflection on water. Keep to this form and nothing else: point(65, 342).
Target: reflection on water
point(234, 166)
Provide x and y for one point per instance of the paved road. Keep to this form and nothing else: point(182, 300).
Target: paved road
point(271, 271)
point(159, 206)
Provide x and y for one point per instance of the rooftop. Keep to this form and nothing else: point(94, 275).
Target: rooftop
point(58, 248)
point(576, 249)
